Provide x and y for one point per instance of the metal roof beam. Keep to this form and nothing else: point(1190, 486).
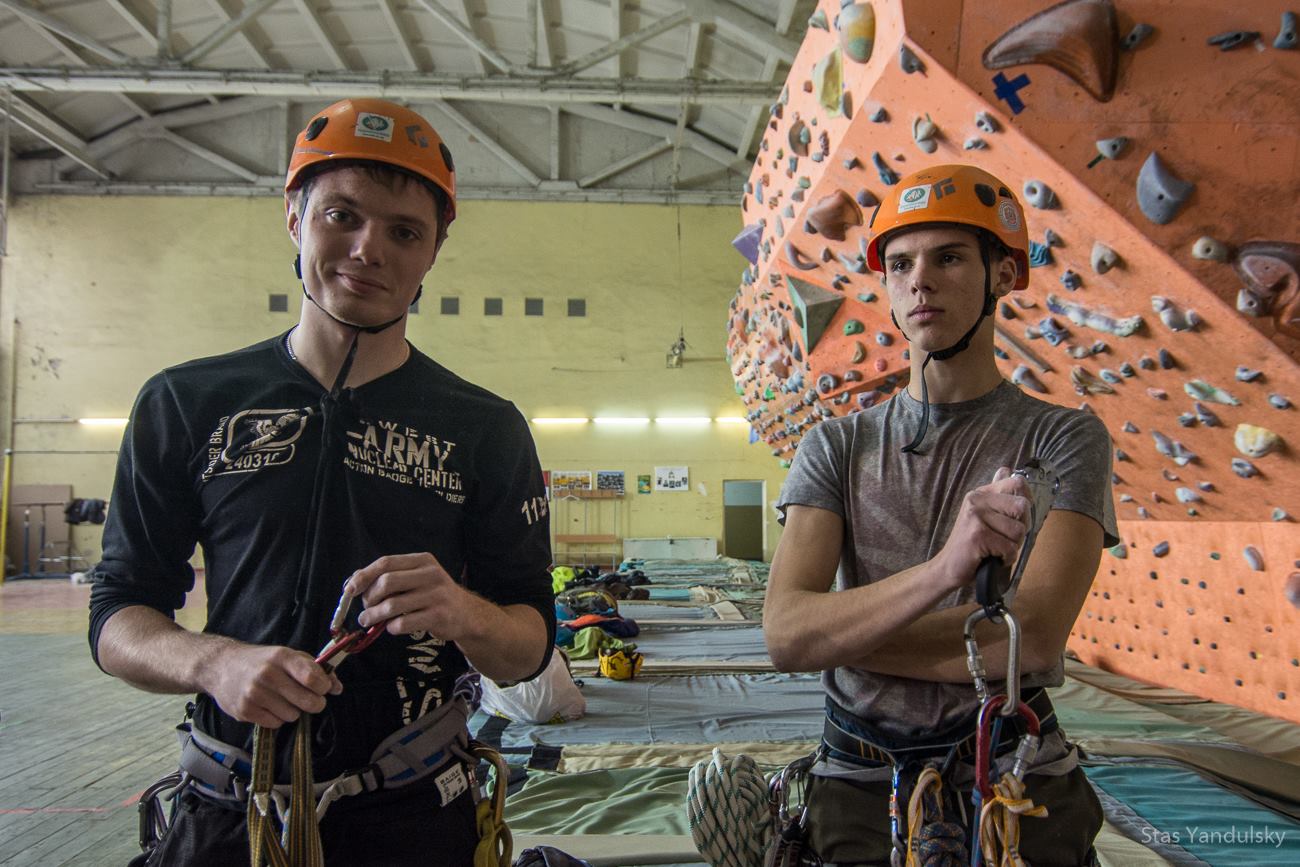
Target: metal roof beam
point(231, 28)
point(618, 46)
point(757, 114)
point(240, 36)
point(616, 33)
point(466, 33)
point(545, 51)
point(164, 29)
point(660, 129)
point(53, 132)
point(182, 117)
point(399, 34)
point(749, 27)
point(626, 163)
point(491, 144)
point(390, 85)
point(205, 154)
point(136, 22)
point(54, 25)
point(318, 30)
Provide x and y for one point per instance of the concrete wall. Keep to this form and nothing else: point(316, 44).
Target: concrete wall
point(99, 293)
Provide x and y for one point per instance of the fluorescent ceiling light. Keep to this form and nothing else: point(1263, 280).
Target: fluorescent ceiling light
point(683, 420)
point(612, 420)
point(731, 419)
point(560, 420)
point(103, 422)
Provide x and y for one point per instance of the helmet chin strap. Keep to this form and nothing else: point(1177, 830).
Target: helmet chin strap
point(990, 302)
point(358, 330)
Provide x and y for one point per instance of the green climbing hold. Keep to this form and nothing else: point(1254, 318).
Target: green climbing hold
point(1119, 551)
point(804, 183)
point(853, 326)
point(768, 393)
point(1214, 555)
point(784, 464)
point(867, 297)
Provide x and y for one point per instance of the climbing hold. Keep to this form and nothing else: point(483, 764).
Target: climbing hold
point(1161, 549)
point(1199, 389)
point(1077, 38)
point(866, 199)
point(883, 338)
point(1279, 401)
point(1254, 441)
point(1007, 311)
point(1279, 514)
point(1129, 427)
point(797, 259)
point(1244, 468)
point(798, 137)
point(908, 60)
point(859, 353)
point(1172, 449)
point(1048, 329)
point(826, 383)
point(1292, 589)
point(1121, 455)
point(1210, 249)
point(828, 82)
point(881, 365)
point(851, 162)
point(1166, 360)
point(1119, 552)
point(857, 26)
point(974, 143)
point(1172, 317)
point(1253, 558)
point(1271, 273)
point(747, 242)
point(1109, 375)
point(1024, 377)
point(1205, 415)
point(1245, 374)
point(852, 376)
point(1103, 258)
point(867, 297)
point(1170, 475)
point(1286, 37)
point(1187, 495)
point(853, 326)
point(1070, 280)
point(986, 122)
point(814, 308)
point(923, 133)
point(1039, 254)
point(1146, 362)
point(1160, 192)
point(1111, 148)
point(818, 20)
point(1051, 239)
point(1126, 498)
point(856, 265)
point(1137, 36)
point(1231, 39)
point(887, 175)
point(1085, 382)
point(833, 214)
point(879, 115)
point(1039, 194)
point(1144, 514)
point(1126, 368)
point(1187, 419)
point(1080, 315)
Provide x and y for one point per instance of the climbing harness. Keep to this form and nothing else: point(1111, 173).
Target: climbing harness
point(727, 807)
point(999, 805)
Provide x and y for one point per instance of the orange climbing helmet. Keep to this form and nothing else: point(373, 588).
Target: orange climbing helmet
point(953, 194)
point(379, 131)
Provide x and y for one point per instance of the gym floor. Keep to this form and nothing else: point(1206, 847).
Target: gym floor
point(76, 746)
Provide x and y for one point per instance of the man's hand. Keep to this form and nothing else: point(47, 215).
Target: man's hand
point(415, 594)
point(993, 521)
point(268, 686)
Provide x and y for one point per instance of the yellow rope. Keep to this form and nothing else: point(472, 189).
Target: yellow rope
point(928, 778)
point(302, 831)
point(1000, 822)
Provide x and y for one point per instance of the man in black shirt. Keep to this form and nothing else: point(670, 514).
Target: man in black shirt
point(333, 457)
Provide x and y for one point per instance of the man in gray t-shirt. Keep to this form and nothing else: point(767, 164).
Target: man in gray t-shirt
point(895, 507)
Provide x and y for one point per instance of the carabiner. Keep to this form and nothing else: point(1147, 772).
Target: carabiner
point(345, 642)
point(1026, 750)
point(975, 660)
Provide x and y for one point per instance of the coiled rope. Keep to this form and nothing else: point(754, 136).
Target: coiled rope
point(727, 805)
point(932, 842)
point(1000, 822)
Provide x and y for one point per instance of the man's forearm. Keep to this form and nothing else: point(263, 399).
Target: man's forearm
point(152, 652)
point(507, 643)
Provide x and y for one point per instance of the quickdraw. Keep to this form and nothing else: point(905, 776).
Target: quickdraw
point(790, 844)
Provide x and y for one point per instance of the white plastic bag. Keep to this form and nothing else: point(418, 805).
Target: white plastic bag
point(551, 697)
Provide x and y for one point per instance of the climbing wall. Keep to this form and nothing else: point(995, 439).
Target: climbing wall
point(1156, 148)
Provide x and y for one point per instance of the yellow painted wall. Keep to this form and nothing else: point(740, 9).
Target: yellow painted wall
point(99, 293)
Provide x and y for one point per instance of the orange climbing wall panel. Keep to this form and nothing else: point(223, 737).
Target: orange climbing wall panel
point(1228, 121)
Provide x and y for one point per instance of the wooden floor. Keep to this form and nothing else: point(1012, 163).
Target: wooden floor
point(76, 746)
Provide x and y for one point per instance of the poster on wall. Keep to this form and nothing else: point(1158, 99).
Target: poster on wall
point(611, 480)
point(566, 481)
point(643, 484)
point(671, 479)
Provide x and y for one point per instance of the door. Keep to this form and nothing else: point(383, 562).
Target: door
point(742, 519)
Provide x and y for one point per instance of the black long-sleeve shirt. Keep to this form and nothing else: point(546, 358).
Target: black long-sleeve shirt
point(288, 493)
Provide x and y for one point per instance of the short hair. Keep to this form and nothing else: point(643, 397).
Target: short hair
point(384, 173)
point(997, 249)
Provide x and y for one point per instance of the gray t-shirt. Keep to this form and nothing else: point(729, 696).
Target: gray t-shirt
point(900, 508)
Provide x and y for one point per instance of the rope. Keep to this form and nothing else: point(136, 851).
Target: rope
point(727, 806)
point(302, 834)
point(933, 843)
point(1000, 822)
